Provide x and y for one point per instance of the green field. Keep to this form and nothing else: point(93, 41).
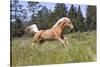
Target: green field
point(81, 48)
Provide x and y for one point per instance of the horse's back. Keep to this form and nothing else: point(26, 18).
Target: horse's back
point(46, 34)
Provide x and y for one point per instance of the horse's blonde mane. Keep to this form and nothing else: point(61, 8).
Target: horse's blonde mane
point(61, 19)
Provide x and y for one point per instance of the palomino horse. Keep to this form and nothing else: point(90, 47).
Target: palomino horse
point(55, 33)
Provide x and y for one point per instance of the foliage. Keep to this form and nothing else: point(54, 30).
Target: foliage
point(45, 18)
point(91, 17)
point(15, 9)
point(72, 15)
point(60, 11)
point(32, 7)
point(80, 24)
point(17, 28)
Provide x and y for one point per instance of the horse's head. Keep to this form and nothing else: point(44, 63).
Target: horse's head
point(64, 22)
point(68, 22)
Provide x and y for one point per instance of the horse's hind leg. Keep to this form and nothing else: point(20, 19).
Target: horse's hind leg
point(42, 41)
point(33, 43)
point(36, 38)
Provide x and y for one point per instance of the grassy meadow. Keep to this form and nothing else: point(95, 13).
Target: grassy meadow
point(81, 48)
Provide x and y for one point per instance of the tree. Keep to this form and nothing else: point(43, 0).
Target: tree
point(60, 11)
point(72, 15)
point(51, 18)
point(17, 13)
point(16, 25)
point(72, 12)
point(80, 21)
point(43, 18)
point(32, 7)
point(12, 30)
point(18, 28)
point(15, 9)
point(24, 15)
point(91, 18)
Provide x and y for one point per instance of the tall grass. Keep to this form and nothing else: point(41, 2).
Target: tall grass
point(81, 48)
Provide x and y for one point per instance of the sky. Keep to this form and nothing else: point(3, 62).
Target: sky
point(51, 6)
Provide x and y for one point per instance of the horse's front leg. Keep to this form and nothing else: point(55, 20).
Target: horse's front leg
point(66, 40)
point(62, 41)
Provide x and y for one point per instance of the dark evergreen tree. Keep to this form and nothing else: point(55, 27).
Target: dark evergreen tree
point(15, 21)
point(60, 11)
point(51, 19)
point(15, 9)
point(72, 12)
point(80, 21)
point(18, 28)
point(24, 15)
point(43, 18)
point(12, 30)
point(32, 7)
point(72, 15)
point(91, 18)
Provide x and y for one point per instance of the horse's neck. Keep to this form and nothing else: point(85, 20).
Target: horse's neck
point(61, 27)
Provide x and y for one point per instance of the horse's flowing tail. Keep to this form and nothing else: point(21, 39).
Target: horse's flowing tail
point(32, 29)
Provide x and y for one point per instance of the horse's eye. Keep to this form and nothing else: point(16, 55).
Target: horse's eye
point(69, 23)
